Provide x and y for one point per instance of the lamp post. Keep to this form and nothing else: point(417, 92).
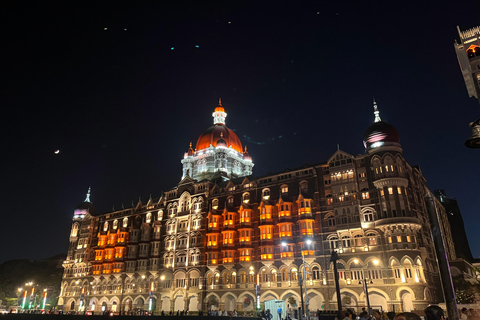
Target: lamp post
point(365, 289)
point(305, 280)
point(44, 298)
point(334, 258)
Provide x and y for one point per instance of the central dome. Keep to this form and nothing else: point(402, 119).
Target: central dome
point(215, 133)
point(380, 132)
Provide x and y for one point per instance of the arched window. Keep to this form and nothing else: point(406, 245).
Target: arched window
point(243, 277)
point(333, 242)
point(215, 204)
point(125, 222)
point(266, 194)
point(148, 218)
point(372, 239)
point(246, 197)
point(331, 220)
point(74, 232)
point(368, 215)
point(105, 226)
point(316, 273)
point(346, 241)
point(358, 240)
point(115, 224)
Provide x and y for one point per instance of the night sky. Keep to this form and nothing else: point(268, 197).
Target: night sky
point(103, 85)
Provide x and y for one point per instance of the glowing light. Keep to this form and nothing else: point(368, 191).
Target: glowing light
point(197, 46)
point(355, 261)
point(57, 151)
point(375, 262)
point(172, 48)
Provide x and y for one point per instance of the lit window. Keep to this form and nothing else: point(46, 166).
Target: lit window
point(399, 190)
point(365, 195)
point(284, 190)
point(266, 193)
point(390, 190)
point(381, 192)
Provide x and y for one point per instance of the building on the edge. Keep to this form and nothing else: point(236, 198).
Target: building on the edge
point(220, 231)
point(468, 55)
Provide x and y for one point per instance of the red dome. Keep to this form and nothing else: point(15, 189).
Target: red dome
point(214, 133)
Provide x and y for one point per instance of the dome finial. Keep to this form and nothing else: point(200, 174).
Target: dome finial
point(190, 144)
point(87, 199)
point(375, 111)
point(220, 101)
point(245, 148)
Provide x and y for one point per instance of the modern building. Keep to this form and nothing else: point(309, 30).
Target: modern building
point(223, 238)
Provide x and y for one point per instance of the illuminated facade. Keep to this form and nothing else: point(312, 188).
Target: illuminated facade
point(207, 243)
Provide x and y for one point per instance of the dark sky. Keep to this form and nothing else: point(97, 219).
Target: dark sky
point(296, 79)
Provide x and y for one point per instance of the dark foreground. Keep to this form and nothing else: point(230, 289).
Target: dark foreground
point(26, 316)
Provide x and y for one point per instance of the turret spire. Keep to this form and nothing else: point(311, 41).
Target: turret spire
point(219, 114)
point(376, 112)
point(87, 199)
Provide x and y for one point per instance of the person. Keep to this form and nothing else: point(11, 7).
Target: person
point(377, 315)
point(279, 311)
point(434, 312)
point(347, 315)
point(364, 315)
point(390, 315)
point(407, 316)
point(464, 315)
point(235, 313)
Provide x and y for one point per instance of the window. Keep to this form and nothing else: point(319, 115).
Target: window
point(215, 204)
point(382, 193)
point(333, 242)
point(372, 239)
point(399, 190)
point(408, 272)
point(331, 221)
point(316, 273)
point(397, 273)
point(246, 197)
point(365, 195)
point(390, 190)
point(266, 194)
point(346, 241)
point(230, 200)
point(368, 216)
point(284, 189)
point(125, 222)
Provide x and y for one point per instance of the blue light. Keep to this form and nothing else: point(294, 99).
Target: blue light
point(197, 46)
point(172, 48)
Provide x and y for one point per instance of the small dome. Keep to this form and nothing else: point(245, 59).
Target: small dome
point(379, 134)
point(221, 143)
point(87, 206)
point(246, 155)
point(219, 108)
point(190, 151)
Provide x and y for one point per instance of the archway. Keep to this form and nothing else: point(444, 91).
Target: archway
point(378, 301)
point(72, 305)
point(128, 305)
point(179, 304)
point(407, 303)
point(193, 304)
point(140, 303)
point(104, 306)
point(315, 302)
point(114, 306)
point(166, 304)
point(229, 302)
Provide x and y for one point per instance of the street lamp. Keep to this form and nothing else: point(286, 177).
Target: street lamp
point(334, 258)
point(44, 298)
point(365, 289)
point(309, 242)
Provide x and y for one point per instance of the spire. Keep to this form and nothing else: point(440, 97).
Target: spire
point(87, 199)
point(376, 112)
point(220, 102)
